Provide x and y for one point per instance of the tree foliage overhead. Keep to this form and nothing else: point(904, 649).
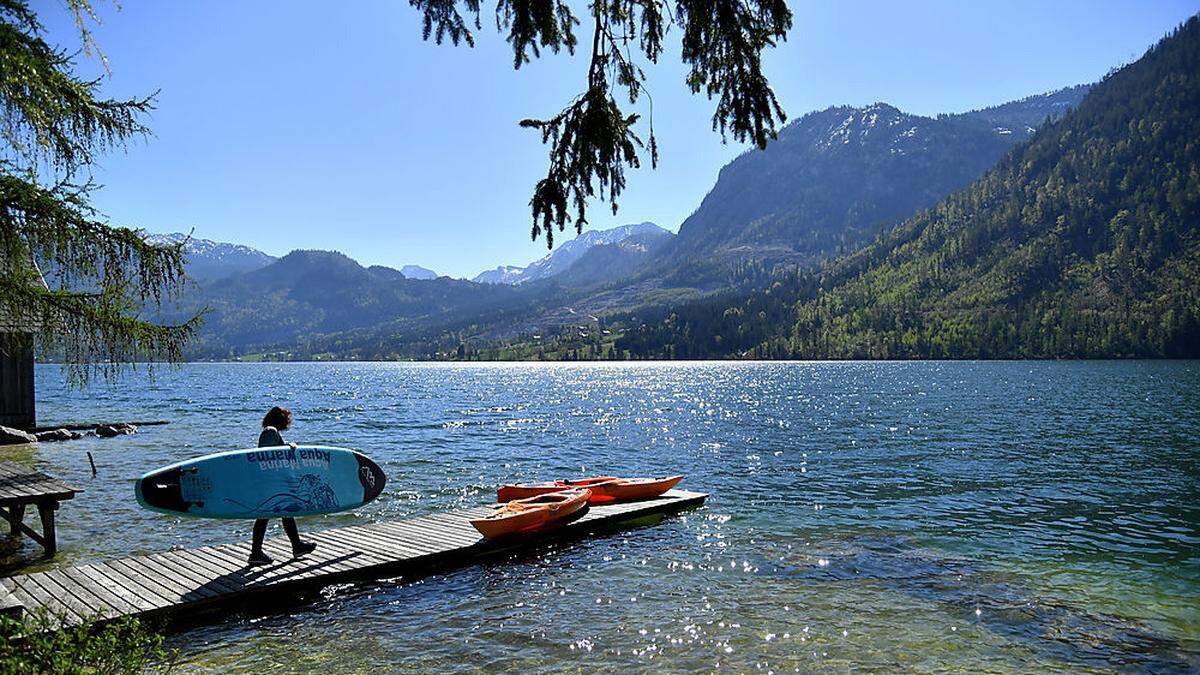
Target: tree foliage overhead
point(592, 140)
point(53, 126)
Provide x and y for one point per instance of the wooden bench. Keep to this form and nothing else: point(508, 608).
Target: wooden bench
point(20, 487)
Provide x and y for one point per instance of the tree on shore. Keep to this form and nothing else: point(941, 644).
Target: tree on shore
point(54, 126)
point(592, 140)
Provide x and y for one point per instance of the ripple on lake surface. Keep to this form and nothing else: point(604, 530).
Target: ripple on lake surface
point(984, 516)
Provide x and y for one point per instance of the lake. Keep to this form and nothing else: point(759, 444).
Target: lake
point(999, 516)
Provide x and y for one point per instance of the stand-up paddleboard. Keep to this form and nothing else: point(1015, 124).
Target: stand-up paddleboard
point(263, 483)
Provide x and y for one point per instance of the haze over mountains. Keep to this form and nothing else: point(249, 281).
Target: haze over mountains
point(881, 232)
point(209, 260)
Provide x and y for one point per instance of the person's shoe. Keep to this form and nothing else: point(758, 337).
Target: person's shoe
point(303, 548)
point(260, 558)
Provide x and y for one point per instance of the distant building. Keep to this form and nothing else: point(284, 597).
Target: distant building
point(16, 371)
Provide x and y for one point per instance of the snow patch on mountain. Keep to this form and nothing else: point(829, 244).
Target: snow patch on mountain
point(568, 253)
point(208, 260)
point(503, 274)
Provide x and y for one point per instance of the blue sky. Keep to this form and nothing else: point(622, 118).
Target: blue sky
point(331, 125)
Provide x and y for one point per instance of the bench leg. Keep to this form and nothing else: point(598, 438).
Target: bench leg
point(49, 539)
point(14, 516)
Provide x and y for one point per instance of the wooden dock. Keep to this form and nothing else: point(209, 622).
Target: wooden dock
point(185, 584)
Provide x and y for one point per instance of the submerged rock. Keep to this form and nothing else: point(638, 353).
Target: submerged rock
point(57, 435)
point(1003, 603)
point(10, 436)
point(110, 430)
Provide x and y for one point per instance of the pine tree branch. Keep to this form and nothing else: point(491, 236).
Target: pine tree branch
point(53, 125)
point(591, 140)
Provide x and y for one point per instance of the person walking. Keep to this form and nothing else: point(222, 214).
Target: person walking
point(276, 421)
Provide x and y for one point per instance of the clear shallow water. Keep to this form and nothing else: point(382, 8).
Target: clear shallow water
point(983, 516)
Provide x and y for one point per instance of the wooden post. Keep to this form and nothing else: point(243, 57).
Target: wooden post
point(16, 514)
point(49, 539)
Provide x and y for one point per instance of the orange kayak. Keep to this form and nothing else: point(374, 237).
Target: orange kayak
point(532, 513)
point(605, 489)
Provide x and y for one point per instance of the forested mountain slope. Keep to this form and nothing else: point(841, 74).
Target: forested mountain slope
point(1081, 243)
point(836, 178)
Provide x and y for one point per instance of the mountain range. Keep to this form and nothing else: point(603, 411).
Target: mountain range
point(310, 301)
point(1083, 242)
point(208, 260)
point(861, 232)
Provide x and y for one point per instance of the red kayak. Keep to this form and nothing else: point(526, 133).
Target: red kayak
point(605, 489)
point(533, 513)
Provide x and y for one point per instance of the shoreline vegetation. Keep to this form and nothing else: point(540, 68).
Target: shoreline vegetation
point(39, 643)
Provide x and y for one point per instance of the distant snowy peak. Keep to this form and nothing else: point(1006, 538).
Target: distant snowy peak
point(858, 124)
point(418, 272)
point(569, 252)
point(503, 274)
point(882, 125)
point(208, 247)
point(208, 260)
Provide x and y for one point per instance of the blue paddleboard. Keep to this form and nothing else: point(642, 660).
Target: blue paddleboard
point(263, 483)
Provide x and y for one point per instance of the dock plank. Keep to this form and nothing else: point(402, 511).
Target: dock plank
point(418, 535)
point(198, 570)
point(403, 538)
point(171, 584)
point(335, 559)
point(130, 592)
point(151, 589)
point(34, 597)
point(98, 605)
point(378, 551)
point(113, 600)
point(136, 566)
point(38, 582)
point(429, 532)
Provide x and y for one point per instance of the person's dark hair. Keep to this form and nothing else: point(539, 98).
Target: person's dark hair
point(278, 417)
